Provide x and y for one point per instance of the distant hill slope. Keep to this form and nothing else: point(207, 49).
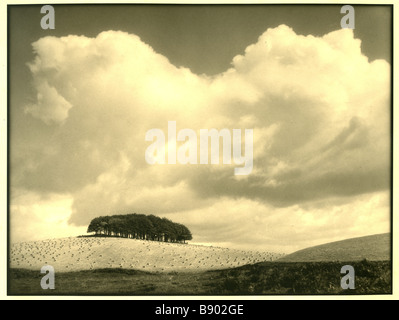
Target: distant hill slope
point(73, 254)
point(373, 248)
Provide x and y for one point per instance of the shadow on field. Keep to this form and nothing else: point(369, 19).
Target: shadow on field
point(266, 278)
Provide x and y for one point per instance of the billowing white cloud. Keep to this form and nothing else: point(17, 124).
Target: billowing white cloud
point(51, 107)
point(319, 109)
point(37, 217)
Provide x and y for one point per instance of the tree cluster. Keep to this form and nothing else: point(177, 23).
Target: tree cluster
point(140, 226)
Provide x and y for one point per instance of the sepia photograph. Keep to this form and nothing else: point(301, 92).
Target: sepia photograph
point(199, 150)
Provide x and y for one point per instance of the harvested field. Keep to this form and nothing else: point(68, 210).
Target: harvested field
point(89, 253)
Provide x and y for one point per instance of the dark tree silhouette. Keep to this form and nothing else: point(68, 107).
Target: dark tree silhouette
point(140, 226)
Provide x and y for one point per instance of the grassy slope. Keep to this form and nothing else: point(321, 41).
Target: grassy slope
point(267, 278)
point(373, 248)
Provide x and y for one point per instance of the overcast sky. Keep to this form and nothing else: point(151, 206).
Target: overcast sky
point(83, 96)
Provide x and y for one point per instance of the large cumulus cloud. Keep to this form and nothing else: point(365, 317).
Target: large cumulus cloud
point(320, 111)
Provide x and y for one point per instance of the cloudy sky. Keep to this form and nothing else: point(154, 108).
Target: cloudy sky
point(317, 97)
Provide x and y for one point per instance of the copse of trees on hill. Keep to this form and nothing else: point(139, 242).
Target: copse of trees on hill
point(140, 226)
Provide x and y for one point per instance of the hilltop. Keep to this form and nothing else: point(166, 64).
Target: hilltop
point(373, 248)
point(89, 253)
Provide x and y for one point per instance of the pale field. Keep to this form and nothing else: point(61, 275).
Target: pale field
point(73, 254)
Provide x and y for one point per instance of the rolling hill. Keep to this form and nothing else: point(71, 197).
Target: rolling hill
point(89, 253)
point(373, 248)
point(120, 266)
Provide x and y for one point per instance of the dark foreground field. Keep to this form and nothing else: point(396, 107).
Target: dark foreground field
point(275, 278)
